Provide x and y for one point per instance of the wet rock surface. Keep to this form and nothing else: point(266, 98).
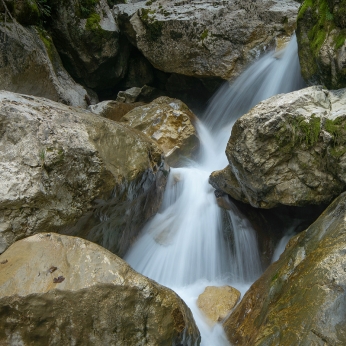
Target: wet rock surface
point(205, 38)
point(218, 302)
point(300, 299)
point(67, 170)
point(170, 123)
point(60, 290)
point(289, 149)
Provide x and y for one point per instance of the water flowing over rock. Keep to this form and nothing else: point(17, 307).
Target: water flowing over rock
point(288, 150)
point(89, 43)
point(300, 299)
point(60, 165)
point(321, 35)
point(205, 38)
point(170, 123)
point(59, 290)
point(218, 302)
point(30, 64)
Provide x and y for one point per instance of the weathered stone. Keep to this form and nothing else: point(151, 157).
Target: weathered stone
point(218, 302)
point(67, 170)
point(89, 43)
point(300, 299)
point(170, 123)
point(59, 290)
point(289, 149)
point(129, 95)
point(205, 38)
point(113, 110)
point(30, 64)
point(321, 36)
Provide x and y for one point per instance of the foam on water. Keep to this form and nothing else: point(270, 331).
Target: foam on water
point(187, 245)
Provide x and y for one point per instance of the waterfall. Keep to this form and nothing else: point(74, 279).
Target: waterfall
point(192, 243)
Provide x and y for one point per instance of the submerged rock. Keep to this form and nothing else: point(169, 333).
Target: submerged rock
point(321, 36)
point(289, 149)
point(300, 299)
point(30, 64)
point(170, 123)
point(218, 302)
point(205, 38)
point(59, 290)
point(67, 170)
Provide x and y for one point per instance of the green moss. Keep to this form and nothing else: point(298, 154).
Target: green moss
point(340, 39)
point(47, 41)
point(310, 130)
point(152, 25)
point(93, 22)
point(337, 128)
point(204, 34)
point(87, 8)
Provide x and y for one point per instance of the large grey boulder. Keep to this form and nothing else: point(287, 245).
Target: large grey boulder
point(59, 290)
point(205, 38)
point(88, 40)
point(30, 64)
point(289, 149)
point(301, 298)
point(67, 170)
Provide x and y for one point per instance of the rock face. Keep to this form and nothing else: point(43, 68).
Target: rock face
point(59, 290)
point(288, 150)
point(113, 110)
point(170, 123)
point(88, 40)
point(321, 35)
point(60, 165)
point(300, 299)
point(218, 302)
point(205, 38)
point(30, 64)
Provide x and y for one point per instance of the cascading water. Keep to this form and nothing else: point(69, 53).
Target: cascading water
point(184, 246)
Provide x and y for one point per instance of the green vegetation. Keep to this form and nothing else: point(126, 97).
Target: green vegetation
point(87, 8)
point(93, 22)
point(152, 25)
point(47, 41)
point(204, 34)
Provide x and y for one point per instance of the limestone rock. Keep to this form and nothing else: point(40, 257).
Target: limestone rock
point(170, 123)
point(218, 302)
point(300, 299)
point(59, 290)
point(289, 149)
point(67, 170)
point(205, 38)
point(113, 110)
point(321, 40)
point(89, 43)
point(30, 64)
point(129, 95)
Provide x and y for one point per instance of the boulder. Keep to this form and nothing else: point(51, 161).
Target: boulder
point(300, 299)
point(205, 38)
point(89, 42)
point(67, 170)
point(170, 123)
point(60, 290)
point(113, 110)
point(321, 36)
point(289, 149)
point(30, 64)
point(218, 302)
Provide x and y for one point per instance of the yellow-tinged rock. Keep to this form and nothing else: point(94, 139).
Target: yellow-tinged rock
point(217, 302)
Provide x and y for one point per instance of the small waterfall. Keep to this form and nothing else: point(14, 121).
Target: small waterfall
point(192, 243)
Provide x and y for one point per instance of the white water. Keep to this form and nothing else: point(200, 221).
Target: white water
point(184, 246)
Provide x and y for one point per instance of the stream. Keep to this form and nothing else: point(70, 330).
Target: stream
point(184, 246)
